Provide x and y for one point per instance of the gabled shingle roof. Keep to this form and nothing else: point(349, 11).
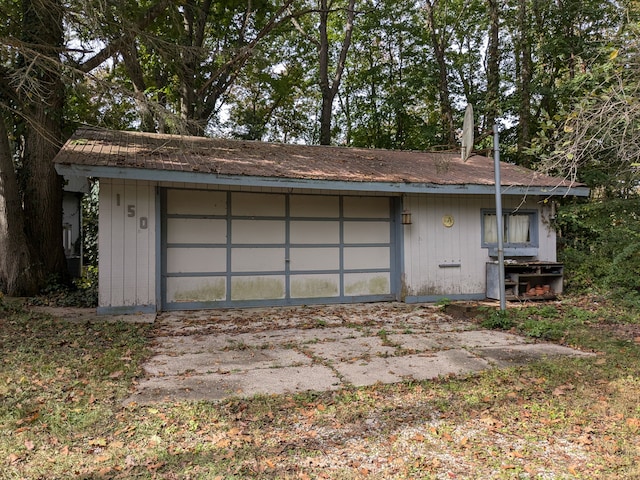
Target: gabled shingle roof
point(96, 152)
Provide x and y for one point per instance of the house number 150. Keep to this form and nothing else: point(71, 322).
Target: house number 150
point(131, 212)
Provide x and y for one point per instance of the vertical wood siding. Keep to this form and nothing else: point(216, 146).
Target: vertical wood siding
point(126, 246)
point(449, 261)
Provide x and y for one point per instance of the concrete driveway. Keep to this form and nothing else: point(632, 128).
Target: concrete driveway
point(213, 355)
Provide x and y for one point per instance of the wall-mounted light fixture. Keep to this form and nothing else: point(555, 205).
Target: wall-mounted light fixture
point(406, 217)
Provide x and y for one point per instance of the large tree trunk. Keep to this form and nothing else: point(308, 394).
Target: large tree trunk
point(17, 277)
point(524, 81)
point(329, 87)
point(439, 49)
point(493, 66)
point(43, 106)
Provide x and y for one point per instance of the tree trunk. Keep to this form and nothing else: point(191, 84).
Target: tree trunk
point(493, 66)
point(43, 106)
point(329, 88)
point(439, 49)
point(132, 64)
point(17, 278)
point(524, 82)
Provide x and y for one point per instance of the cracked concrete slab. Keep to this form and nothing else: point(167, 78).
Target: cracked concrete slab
point(415, 367)
point(224, 361)
point(213, 355)
point(350, 348)
point(220, 386)
point(514, 355)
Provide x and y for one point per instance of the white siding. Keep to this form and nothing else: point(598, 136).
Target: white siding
point(440, 260)
point(127, 253)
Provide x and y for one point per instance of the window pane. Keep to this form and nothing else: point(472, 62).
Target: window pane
point(518, 228)
point(490, 228)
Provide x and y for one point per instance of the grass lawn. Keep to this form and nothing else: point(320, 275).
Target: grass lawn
point(61, 412)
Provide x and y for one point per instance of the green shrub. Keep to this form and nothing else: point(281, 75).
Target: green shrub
point(600, 247)
point(83, 292)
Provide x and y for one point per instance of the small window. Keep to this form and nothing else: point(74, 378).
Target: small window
point(520, 228)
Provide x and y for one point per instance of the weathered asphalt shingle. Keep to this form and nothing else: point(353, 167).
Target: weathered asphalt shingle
point(109, 148)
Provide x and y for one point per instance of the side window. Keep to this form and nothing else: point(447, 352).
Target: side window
point(519, 228)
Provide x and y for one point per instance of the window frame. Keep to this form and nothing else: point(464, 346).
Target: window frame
point(533, 228)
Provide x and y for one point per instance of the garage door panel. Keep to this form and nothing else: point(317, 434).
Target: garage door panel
point(267, 287)
point(196, 202)
point(366, 232)
point(314, 206)
point(195, 289)
point(257, 259)
point(196, 260)
point(314, 232)
point(366, 207)
point(257, 205)
point(196, 230)
point(356, 284)
point(258, 231)
point(364, 258)
point(315, 286)
point(314, 259)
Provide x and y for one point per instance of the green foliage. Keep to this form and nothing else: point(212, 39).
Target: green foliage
point(600, 246)
point(83, 292)
point(497, 320)
point(544, 322)
point(90, 226)
point(543, 329)
point(443, 302)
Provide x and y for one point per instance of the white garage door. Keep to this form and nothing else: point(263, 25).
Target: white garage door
point(243, 249)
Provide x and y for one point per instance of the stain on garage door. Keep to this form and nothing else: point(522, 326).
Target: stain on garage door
point(222, 249)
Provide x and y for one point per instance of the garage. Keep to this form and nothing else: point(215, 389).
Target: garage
point(236, 248)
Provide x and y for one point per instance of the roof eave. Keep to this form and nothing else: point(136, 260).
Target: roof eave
point(314, 184)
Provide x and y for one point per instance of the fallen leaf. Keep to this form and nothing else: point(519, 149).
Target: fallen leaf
point(28, 444)
point(633, 422)
point(155, 466)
